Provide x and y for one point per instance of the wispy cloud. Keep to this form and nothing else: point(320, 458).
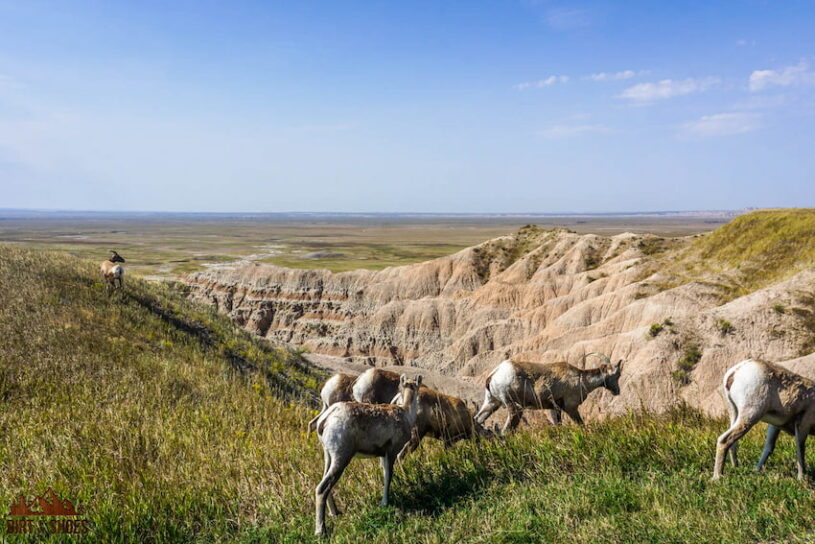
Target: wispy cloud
point(788, 76)
point(745, 43)
point(644, 93)
point(615, 76)
point(568, 18)
point(722, 124)
point(570, 131)
point(541, 83)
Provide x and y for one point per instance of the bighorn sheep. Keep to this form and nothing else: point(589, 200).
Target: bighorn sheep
point(443, 417)
point(762, 391)
point(113, 272)
point(350, 428)
point(336, 389)
point(551, 386)
point(376, 386)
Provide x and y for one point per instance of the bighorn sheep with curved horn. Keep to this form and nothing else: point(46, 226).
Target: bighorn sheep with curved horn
point(762, 391)
point(338, 388)
point(113, 272)
point(545, 386)
point(350, 428)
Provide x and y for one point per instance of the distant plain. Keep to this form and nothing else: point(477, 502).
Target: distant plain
point(164, 245)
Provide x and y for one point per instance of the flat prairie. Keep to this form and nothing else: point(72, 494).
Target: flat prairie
point(163, 245)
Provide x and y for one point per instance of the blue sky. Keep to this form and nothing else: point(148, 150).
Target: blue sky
point(471, 106)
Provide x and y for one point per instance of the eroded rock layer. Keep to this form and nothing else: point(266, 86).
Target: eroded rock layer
point(535, 295)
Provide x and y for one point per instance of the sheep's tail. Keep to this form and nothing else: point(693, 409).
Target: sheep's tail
point(322, 418)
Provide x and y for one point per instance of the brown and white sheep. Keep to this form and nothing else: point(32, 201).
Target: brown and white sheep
point(762, 391)
point(347, 429)
point(560, 387)
point(113, 273)
point(338, 388)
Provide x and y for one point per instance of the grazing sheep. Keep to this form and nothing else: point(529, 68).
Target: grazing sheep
point(336, 389)
point(113, 272)
point(762, 391)
point(376, 386)
point(351, 428)
point(443, 417)
point(550, 386)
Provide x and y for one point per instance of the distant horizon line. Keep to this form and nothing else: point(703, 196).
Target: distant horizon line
point(377, 213)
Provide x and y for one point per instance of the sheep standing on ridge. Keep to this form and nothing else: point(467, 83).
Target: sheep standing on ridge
point(336, 389)
point(113, 273)
point(548, 386)
point(347, 429)
point(762, 391)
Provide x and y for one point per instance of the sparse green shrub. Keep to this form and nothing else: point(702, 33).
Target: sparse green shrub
point(779, 308)
point(655, 329)
point(725, 327)
point(691, 356)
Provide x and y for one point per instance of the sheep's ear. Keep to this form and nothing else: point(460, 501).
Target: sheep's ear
point(402, 379)
point(419, 379)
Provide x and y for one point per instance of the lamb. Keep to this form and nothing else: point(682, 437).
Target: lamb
point(376, 386)
point(338, 388)
point(350, 428)
point(551, 386)
point(756, 391)
point(113, 272)
point(443, 417)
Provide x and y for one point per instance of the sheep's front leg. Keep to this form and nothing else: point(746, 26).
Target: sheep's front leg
point(801, 432)
point(769, 445)
point(574, 414)
point(387, 469)
point(410, 447)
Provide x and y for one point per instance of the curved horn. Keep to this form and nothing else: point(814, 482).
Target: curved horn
point(602, 356)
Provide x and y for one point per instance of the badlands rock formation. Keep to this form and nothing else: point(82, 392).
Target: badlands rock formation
point(535, 295)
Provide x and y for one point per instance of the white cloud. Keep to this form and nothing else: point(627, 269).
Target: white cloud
point(785, 77)
point(568, 18)
point(667, 88)
point(614, 76)
point(570, 131)
point(540, 84)
point(745, 43)
point(722, 124)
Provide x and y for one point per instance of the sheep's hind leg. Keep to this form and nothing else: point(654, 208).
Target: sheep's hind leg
point(491, 404)
point(324, 489)
point(769, 445)
point(732, 435)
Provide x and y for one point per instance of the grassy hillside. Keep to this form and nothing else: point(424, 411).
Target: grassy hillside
point(168, 425)
point(753, 250)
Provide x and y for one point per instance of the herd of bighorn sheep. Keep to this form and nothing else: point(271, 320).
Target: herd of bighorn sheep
point(384, 414)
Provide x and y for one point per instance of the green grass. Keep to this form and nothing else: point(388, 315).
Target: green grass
point(754, 250)
point(168, 425)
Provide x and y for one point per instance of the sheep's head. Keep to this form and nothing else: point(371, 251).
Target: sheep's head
point(611, 372)
point(408, 389)
point(611, 380)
